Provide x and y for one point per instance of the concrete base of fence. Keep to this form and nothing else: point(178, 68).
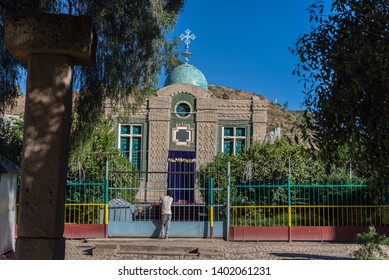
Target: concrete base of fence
point(258, 234)
point(85, 231)
point(327, 233)
point(77, 231)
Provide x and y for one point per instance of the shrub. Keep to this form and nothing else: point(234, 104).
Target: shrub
point(371, 245)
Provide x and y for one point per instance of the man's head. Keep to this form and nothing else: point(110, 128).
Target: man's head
point(170, 193)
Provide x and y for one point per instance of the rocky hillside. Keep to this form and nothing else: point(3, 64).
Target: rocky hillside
point(277, 116)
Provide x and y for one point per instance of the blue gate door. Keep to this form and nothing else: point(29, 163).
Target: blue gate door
point(134, 209)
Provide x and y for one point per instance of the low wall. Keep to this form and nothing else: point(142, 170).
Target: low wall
point(282, 233)
point(313, 233)
point(77, 231)
point(85, 231)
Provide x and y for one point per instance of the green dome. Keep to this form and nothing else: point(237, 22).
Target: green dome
point(187, 74)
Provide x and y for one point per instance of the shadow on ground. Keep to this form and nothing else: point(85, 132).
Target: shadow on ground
point(299, 256)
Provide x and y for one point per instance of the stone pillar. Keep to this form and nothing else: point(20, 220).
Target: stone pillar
point(206, 126)
point(50, 45)
point(259, 119)
point(159, 137)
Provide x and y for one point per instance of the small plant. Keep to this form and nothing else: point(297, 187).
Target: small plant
point(371, 245)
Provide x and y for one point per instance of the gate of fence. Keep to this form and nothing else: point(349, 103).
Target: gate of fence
point(134, 203)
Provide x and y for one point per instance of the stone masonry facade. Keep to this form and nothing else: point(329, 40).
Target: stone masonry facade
point(209, 112)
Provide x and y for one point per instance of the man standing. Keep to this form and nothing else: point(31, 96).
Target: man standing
point(166, 213)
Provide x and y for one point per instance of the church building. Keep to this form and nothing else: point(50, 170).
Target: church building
point(184, 126)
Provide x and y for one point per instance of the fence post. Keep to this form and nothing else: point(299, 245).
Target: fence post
point(106, 199)
point(228, 200)
point(289, 213)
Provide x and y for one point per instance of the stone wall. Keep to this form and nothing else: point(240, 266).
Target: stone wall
point(209, 112)
point(159, 129)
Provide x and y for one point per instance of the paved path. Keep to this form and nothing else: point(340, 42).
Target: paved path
point(194, 249)
point(150, 249)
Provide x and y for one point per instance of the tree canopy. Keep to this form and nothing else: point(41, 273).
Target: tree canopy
point(131, 50)
point(344, 65)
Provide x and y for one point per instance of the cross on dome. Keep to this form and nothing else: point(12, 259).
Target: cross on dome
point(187, 38)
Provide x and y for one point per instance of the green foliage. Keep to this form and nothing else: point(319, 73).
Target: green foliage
point(216, 172)
point(11, 137)
point(258, 217)
point(371, 245)
point(279, 161)
point(270, 165)
point(89, 164)
point(344, 66)
point(9, 72)
point(95, 153)
point(124, 180)
point(131, 50)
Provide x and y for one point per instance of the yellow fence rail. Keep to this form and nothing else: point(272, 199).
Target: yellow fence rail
point(92, 213)
point(350, 215)
point(259, 215)
point(336, 215)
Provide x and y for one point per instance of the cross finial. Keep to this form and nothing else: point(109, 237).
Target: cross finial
point(187, 38)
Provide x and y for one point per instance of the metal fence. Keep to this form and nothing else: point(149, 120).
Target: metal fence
point(334, 204)
point(130, 195)
point(309, 204)
point(86, 201)
point(126, 195)
point(191, 203)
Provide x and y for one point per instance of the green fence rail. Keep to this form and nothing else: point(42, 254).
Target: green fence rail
point(251, 204)
point(307, 204)
point(86, 202)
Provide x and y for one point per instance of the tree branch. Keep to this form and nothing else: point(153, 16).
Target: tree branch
point(70, 3)
point(3, 6)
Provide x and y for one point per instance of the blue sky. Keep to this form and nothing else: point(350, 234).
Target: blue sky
point(245, 44)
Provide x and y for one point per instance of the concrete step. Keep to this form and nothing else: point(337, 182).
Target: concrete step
point(165, 248)
point(158, 253)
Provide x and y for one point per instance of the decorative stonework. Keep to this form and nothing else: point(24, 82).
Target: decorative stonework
point(206, 104)
point(184, 88)
point(208, 112)
point(234, 116)
point(158, 145)
point(207, 136)
point(72, 36)
point(159, 102)
point(159, 115)
point(234, 110)
point(239, 105)
point(259, 119)
point(182, 135)
point(207, 116)
point(259, 132)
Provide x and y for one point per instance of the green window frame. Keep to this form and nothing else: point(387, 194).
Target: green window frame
point(233, 140)
point(130, 142)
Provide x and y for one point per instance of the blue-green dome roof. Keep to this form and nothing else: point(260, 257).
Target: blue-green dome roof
point(187, 74)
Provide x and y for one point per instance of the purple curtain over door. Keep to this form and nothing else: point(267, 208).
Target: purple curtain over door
point(181, 176)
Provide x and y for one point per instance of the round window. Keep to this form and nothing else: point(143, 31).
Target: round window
point(183, 110)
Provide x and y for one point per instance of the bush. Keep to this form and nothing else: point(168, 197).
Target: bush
point(371, 245)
